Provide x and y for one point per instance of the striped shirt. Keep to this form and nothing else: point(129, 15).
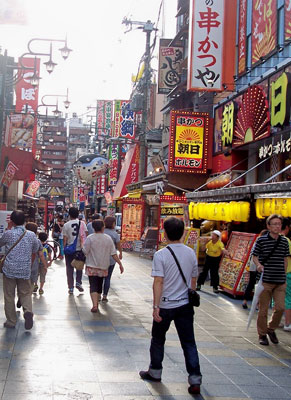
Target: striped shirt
point(274, 266)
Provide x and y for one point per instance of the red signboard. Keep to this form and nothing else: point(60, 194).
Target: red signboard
point(188, 142)
point(242, 36)
point(264, 28)
point(32, 188)
point(8, 175)
point(26, 94)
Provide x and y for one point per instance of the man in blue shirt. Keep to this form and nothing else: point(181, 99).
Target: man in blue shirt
point(17, 269)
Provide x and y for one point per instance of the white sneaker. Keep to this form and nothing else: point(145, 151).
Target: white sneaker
point(287, 328)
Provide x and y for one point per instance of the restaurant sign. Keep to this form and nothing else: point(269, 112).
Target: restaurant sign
point(278, 145)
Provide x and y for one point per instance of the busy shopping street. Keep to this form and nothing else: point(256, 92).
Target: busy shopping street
point(71, 353)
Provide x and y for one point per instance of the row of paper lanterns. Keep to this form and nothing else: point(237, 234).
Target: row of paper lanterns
point(266, 207)
point(238, 211)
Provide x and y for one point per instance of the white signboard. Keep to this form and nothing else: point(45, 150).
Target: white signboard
point(206, 45)
point(4, 219)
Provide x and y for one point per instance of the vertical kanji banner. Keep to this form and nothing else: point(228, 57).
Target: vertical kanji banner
point(287, 20)
point(188, 147)
point(113, 164)
point(100, 117)
point(27, 95)
point(124, 119)
point(242, 36)
point(264, 28)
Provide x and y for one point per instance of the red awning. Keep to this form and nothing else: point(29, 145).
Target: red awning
point(24, 161)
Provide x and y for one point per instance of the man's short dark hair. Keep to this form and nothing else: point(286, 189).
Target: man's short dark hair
point(98, 225)
point(73, 212)
point(95, 217)
point(174, 228)
point(43, 236)
point(285, 223)
point(31, 226)
point(109, 222)
point(18, 217)
point(274, 216)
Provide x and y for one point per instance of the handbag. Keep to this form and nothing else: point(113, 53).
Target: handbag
point(71, 248)
point(193, 296)
point(79, 260)
point(3, 258)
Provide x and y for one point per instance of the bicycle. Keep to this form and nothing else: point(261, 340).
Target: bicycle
point(55, 247)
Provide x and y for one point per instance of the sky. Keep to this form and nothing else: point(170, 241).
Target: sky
point(103, 58)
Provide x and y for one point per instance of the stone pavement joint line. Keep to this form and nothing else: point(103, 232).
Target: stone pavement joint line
point(73, 354)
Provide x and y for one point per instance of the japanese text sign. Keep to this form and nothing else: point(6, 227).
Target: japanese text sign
point(264, 28)
point(242, 37)
point(206, 45)
point(188, 142)
point(170, 59)
point(104, 115)
point(26, 94)
point(124, 119)
point(8, 174)
point(32, 188)
point(113, 164)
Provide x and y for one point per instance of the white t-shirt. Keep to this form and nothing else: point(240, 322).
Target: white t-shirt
point(175, 292)
point(70, 230)
point(98, 248)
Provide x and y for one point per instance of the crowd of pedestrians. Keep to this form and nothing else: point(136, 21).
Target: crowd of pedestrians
point(174, 270)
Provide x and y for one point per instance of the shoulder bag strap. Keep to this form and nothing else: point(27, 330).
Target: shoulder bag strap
point(178, 264)
point(272, 251)
point(15, 244)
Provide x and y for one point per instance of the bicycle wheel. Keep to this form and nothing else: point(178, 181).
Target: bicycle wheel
point(55, 246)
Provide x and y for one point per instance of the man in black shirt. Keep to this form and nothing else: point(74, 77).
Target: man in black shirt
point(270, 255)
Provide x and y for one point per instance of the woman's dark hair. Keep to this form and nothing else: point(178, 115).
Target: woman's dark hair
point(42, 236)
point(31, 226)
point(73, 212)
point(95, 217)
point(109, 222)
point(174, 228)
point(98, 225)
point(18, 217)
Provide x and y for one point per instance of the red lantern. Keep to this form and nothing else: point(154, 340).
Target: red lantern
point(224, 237)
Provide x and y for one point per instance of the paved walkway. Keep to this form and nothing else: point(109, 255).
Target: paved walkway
point(74, 354)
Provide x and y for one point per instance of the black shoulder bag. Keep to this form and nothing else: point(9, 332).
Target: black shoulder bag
point(193, 296)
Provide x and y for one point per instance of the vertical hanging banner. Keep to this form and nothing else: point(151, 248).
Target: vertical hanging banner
point(124, 119)
point(113, 164)
point(170, 59)
point(27, 96)
point(264, 28)
point(32, 188)
point(211, 60)
point(287, 20)
point(188, 147)
point(242, 36)
point(108, 115)
point(8, 174)
point(100, 117)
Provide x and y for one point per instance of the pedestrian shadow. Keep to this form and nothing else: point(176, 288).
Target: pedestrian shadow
point(161, 389)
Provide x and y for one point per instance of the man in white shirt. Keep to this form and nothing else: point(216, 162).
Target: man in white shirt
point(71, 229)
point(171, 303)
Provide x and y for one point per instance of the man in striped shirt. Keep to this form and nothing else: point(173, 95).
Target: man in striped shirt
point(270, 255)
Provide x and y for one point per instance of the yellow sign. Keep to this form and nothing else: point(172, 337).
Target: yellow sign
point(189, 142)
point(227, 124)
point(192, 239)
point(279, 97)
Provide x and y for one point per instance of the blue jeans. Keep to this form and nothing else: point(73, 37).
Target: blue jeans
point(107, 280)
point(183, 319)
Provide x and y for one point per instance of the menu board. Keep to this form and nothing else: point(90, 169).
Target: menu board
point(192, 239)
point(232, 274)
point(170, 206)
point(132, 219)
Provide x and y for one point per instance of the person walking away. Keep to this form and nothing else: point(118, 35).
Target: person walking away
point(270, 254)
point(94, 217)
point(17, 269)
point(110, 223)
point(214, 250)
point(70, 231)
point(285, 230)
point(58, 235)
point(98, 248)
point(43, 266)
point(252, 278)
point(170, 303)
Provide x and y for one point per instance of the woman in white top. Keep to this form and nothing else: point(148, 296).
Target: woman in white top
point(98, 248)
